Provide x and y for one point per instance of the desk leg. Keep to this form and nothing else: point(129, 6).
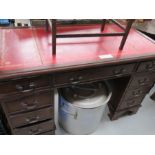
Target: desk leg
point(153, 96)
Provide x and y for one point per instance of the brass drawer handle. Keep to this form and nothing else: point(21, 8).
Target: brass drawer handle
point(80, 78)
point(119, 72)
point(136, 94)
point(32, 85)
point(21, 88)
point(34, 131)
point(151, 66)
point(75, 81)
point(71, 79)
point(26, 90)
point(33, 119)
point(29, 106)
point(143, 81)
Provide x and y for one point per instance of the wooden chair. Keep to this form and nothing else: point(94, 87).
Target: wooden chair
point(52, 24)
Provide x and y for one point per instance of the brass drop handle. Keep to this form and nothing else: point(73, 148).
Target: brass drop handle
point(21, 88)
point(29, 106)
point(119, 72)
point(150, 67)
point(143, 81)
point(75, 80)
point(80, 78)
point(33, 119)
point(32, 85)
point(71, 79)
point(136, 94)
point(35, 131)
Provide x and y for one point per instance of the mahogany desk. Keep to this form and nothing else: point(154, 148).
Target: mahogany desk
point(29, 73)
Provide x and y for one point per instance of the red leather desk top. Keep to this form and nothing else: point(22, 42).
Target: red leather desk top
point(26, 49)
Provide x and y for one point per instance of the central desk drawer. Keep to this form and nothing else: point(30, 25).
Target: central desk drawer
point(23, 85)
point(31, 117)
point(78, 76)
point(29, 101)
point(35, 129)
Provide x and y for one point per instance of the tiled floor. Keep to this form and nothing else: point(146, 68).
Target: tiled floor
point(141, 123)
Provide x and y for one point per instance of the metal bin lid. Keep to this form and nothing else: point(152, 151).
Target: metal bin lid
point(87, 95)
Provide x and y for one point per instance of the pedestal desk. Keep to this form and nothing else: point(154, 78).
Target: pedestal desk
point(29, 73)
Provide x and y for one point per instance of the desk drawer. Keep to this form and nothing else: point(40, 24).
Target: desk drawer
point(23, 85)
point(146, 66)
point(142, 80)
point(140, 92)
point(35, 129)
point(48, 133)
point(31, 117)
point(92, 74)
point(130, 103)
point(29, 101)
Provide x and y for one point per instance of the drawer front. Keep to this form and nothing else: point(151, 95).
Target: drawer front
point(130, 103)
point(48, 133)
point(146, 66)
point(23, 85)
point(35, 129)
point(142, 80)
point(31, 117)
point(130, 94)
point(92, 74)
point(30, 101)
